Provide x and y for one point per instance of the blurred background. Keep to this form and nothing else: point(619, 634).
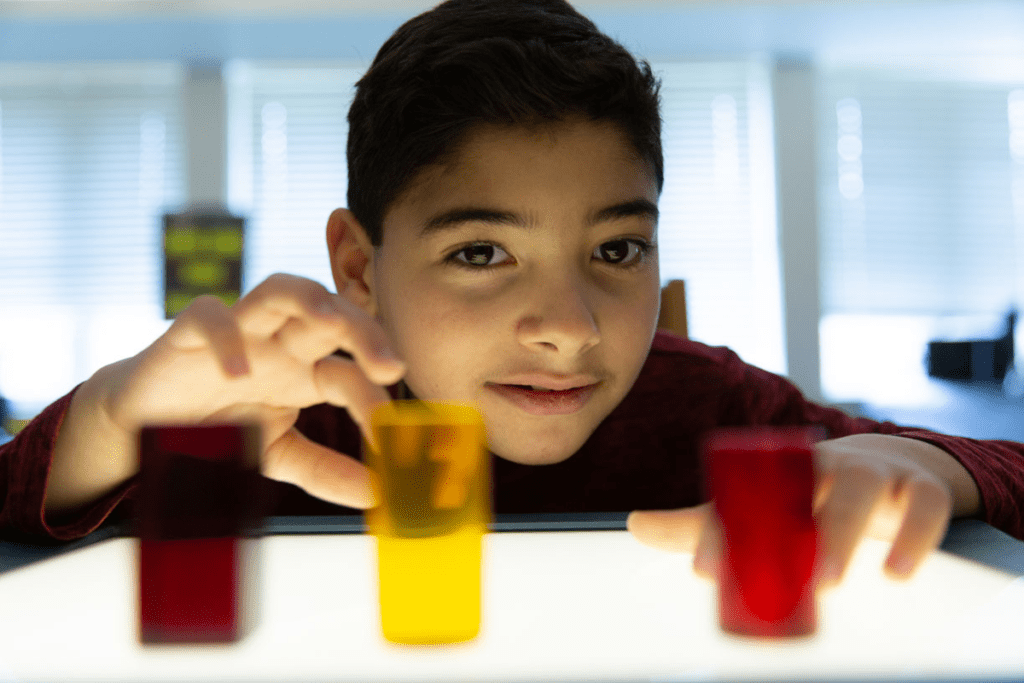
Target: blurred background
point(844, 180)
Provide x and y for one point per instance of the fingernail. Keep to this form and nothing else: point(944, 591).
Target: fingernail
point(631, 520)
point(236, 366)
point(370, 492)
point(900, 565)
point(369, 500)
point(831, 572)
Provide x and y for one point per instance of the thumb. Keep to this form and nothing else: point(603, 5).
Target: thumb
point(320, 471)
point(677, 530)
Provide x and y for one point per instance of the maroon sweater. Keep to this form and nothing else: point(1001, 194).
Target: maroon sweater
point(644, 455)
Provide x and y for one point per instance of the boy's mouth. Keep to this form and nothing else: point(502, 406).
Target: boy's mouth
point(538, 399)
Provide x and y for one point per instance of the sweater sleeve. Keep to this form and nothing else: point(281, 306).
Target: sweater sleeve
point(996, 466)
point(24, 470)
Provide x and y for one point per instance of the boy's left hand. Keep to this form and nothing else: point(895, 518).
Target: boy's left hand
point(898, 489)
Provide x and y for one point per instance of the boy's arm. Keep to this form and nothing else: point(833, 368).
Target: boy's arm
point(890, 487)
point(876, 478)
point(896, 488)
point(995, 468)
point(25, 463)
point(261, 360)
point(106, 462)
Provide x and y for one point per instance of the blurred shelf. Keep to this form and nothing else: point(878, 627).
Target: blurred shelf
point(975, 410)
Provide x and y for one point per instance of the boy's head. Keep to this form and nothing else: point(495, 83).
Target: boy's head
point(504, 171)
point(472, 62)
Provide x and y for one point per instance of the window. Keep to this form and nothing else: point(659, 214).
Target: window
point(922, 222)
point(717, 227)
point(89, 159)
point(287, 169)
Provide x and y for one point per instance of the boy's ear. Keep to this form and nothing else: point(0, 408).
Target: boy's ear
point(351, 259)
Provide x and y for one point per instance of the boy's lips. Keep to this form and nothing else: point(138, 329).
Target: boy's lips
point(541, 380)
point(546, 395)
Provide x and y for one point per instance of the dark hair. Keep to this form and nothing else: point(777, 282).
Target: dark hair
point(470, 62)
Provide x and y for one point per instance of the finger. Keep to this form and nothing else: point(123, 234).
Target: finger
point(929, 507)
point(308, 339)
point(843, 518)
point(708, 555)
point(822, 489)
point(676, 530)
point(207, 322)
point(342, 383)
point(318, 470)
point(280, 297)
point(310, 323)
point(273, 420)
point(363, 337)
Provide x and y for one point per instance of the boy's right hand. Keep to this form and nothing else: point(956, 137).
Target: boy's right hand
point(262, 360)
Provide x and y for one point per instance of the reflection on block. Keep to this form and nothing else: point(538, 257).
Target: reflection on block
point(762, 483)
point(198, 509)
point(432, 476)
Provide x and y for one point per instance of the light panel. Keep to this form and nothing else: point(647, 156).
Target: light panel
point(557, 606)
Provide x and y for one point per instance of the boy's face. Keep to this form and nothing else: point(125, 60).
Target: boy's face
point(519, 263)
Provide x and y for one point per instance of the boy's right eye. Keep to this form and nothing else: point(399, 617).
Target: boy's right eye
point(478, 256)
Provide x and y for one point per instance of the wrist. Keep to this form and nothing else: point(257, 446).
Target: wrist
point(91, 453)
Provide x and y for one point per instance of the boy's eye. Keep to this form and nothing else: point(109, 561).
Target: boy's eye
point(621, 252)
point(479, 255)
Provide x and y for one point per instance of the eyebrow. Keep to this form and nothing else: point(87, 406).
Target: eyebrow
point(643, 208)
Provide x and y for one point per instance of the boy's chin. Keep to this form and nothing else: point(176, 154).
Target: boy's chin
point(535, 456)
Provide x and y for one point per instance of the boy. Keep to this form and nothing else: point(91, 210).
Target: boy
point(500, 249)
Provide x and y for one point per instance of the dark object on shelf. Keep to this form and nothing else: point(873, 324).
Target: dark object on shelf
point(976, 360)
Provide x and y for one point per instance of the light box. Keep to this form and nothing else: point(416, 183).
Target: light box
point(557, 606)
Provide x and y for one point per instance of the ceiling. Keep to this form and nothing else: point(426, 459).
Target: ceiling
point(220, 30)
point(70, 8)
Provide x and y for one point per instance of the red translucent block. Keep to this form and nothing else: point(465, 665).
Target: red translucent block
point(761, 481)
point(198, 505)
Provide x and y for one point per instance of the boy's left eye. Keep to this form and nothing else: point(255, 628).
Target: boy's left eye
point(621, 252)
point(478, 255)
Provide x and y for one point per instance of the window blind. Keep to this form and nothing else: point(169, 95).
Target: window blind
point(89, 158)
point(916, 178)
point(287, 164)
point(717, 228)
point(922, 227)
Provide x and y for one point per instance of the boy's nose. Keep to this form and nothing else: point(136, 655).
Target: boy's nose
point(561, 319)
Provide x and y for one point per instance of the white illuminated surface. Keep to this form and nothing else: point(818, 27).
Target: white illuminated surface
point(557, 606)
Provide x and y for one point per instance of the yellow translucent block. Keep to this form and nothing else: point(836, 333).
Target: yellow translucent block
point(430, 587)
point(432, 478)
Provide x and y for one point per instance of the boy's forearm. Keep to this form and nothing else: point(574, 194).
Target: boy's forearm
point(961, 485)
point(92, 456)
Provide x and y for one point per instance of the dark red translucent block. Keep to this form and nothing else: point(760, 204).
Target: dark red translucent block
point(199, 500)
point(762, 483)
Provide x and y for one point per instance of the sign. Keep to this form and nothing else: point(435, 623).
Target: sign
point(202, 255)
